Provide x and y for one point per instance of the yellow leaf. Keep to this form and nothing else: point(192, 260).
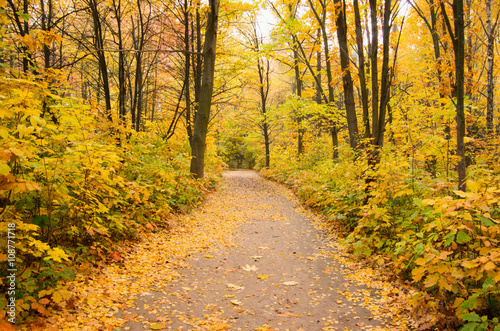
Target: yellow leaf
point(489, 266)
point(262, 277)
point(473, 186)
point(444, 254)
point(431, 280)
point(403, 192)
point(4, 132)
point(156, 326)
point(57, 297)
point(418, 273)
point(208, 256)
point(467, 216)
point(4, 169)
point(57, 255)
point(443, 283)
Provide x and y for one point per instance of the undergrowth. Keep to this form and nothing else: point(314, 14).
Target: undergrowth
point(416, 225)
point(74, 185)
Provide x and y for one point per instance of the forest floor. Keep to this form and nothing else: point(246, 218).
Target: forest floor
point(250, 258)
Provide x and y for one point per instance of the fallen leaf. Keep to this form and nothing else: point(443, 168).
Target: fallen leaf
point(234, 287)
point(156, 326)
point(290, 283)
point(116, 256)
point(129, 317)
point(249, 268)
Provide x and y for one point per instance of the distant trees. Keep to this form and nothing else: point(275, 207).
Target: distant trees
point(365, 60)
point(125, 54)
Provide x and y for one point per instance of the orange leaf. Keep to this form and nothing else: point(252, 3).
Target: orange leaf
point(116, 256)
point(43, 301)
point(38, 307)
point(6, 326)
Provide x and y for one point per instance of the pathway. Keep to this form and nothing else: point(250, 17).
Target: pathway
point(278, 276)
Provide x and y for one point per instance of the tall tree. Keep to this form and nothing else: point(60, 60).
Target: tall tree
point(490, 30)
point(263, 70)
point(122, 87)
point(457, 34)
point(202, 116)
point(361, 70)
point(321, 18)
point(99, 46)
point(350, 107)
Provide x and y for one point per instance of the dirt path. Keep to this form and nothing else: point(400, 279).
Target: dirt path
point(278, 275)
point(249, 259)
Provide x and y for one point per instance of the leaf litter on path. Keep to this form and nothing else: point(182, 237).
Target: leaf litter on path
point(249, 224)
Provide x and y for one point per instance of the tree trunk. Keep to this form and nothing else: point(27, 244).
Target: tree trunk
point(318, 71)
point(202, 117)
point(361, 72)
point(122, 88)
point(385, 84)
point(138, 91)
point(350, 107)
point(298, 93)
point(99, 45)
point(331, 96)
point(459, 43)
point(267, 143)
point(187, 70)
point(490, 53)
point(374, 68)
point(264, 85)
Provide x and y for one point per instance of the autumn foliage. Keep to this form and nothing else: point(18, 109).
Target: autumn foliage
point(382, 115)
point(74, 183)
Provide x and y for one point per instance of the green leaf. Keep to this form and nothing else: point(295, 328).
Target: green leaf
point(419, 248)
point(471, 326)
point(40, 220)
point(486, 222)
point(471, 317)
point(468, 304)
point(489, 282)
point(462, 237)
point(449, 240)
point(24, 16)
